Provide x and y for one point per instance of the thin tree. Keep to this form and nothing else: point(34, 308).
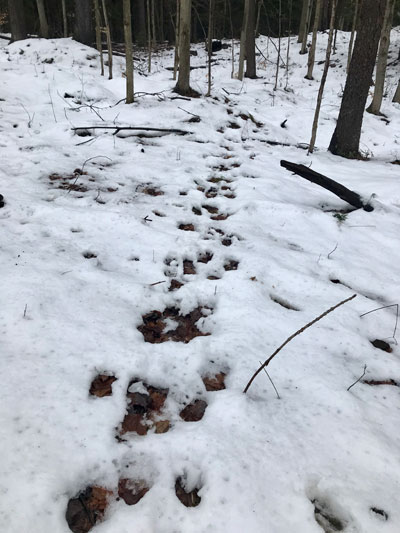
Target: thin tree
point(303, 20)
point(279, 45)
point(107, 31)
point(346, 137)
point(99, 43)
point(83, 30)
point(139, 21)
point(242, 52)
point(16, 14)
point(288, 44)
point(183, 85)
point(311, 54)
point(251, 40)
point(375, 107)
point(65, 20)
point(176, 55)
point(126, 6)
point(149, 40)
point(324, 76)
point(396, 97)
point(210, 42)
point(303, 49)
point(353, 31)
point(44, 26)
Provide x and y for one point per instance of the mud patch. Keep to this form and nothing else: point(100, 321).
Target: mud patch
point(188, 498)
point(87, 509)
point(132, 491)
point(154, 325)
point(101, 386)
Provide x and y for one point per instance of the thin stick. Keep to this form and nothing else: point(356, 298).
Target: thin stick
point(362, 375)
point(266, 363)
point(272, 383)
point(330, 253)
point(156, 283)
point(385, 307)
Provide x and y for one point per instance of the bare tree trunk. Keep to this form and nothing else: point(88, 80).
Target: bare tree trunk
point(306, 27)
point(149, 35)
point(153, 19)
point(376, 103)
point(65, 20)
point(232, 39)
point(44, 27)
point(128, 50)
point(83, 31)
point(353, 31)
point(251, 41)
point(183, 85)
point(243, 34)
point(323, 79)
point(279, 45)
point(16, 14)
point(303, 21)
point(139, 23)
point(99, 43)
point(109, 44)
point(311, 54)
point(210, 41)
point(396, 97)
point(288, 45)
point(346, 137)
point(176, 57)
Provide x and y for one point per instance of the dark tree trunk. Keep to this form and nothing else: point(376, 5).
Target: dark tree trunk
point(251, 41)
point(83, 31)
point(17, 20)
point(139, 22)
point(346, 137)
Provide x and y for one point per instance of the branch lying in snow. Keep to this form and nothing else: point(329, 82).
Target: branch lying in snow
point(267, 362)
point(336, 188)
point(117, 129)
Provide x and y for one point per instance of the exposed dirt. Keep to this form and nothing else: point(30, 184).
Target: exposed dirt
point(150, 190)
point(382, 345)
point(210, 208)
point(194, 411)
point(154, 324)
point(87, 509)
point(205, 257)
point(196, 211)
point(89, 255)
point(214, 383)
point(374, 382)
point(211, 193)
point(188, 267)
point(189, 499)
point(175, 285)
point(132, 491)
point(102, 385)
point(186, 227)
point(231, 265)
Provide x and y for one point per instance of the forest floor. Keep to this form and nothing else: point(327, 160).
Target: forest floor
point(175, 264)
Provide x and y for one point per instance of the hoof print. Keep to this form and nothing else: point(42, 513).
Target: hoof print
point(326, 519)
point(189, 499)
point(380, 513)
point(188, 267)
point(194, 411)
point(231, 265)
point(132, 491)
point(205, 257)
point(214, 383)
point(102, 385)
point(186, 227)
point(87, 509)
point(154, 325)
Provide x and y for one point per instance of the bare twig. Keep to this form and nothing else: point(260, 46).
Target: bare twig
point(362, 375)
point(25, 310)
point(156, 283)
point(132, 128)
point(266, 363)
point(386, 307)
point(272, 383)
point(330, 253)
point(83, 168)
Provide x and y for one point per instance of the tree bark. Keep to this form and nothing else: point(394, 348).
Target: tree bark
point(83, 31)
point(353, 31)
point(99, 41)
point(396, 97)
point(306, 27)
point(243, 34)
point(311, 54)
point(44, 27)
point(303, 21)
point(324, 76)
point(210, 41)
point(128, 50)
point(139, 22)
point(16, 14)
point(65, 20)
point(183, 85)
point(375, 107)
point(346, 137)
point(251, 40)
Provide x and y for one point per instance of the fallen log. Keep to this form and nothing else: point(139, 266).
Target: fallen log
point(334, 187)
point(83, 130)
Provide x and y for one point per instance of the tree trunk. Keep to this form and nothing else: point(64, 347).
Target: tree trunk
point(65, 20)
point(108, 37)
point(251, 40)
point(311, 54)
point(303, 21)
point(44, 27)
point(210, 41)
point(17, 20)
point(128, 50)
point(176, 55)
point(353, 31)
point(149, 41)
point(306, 27)
point(243, 34)
point(396, 97)
point(346, 137)
point(83, 22)
point(183, 85)
point(376, 103)
point(139, 22)
point(323, 79)
point(99, 42)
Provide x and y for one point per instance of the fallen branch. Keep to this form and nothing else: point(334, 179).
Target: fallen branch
point(131, 128)
point(360, 378)
point(267, 362)
point(334, 187)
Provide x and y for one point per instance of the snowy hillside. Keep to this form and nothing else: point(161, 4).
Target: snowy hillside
point(177, 263)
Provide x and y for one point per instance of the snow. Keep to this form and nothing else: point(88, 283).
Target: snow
point(259, 461)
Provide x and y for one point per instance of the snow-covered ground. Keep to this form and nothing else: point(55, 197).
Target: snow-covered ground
point(83, 245)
